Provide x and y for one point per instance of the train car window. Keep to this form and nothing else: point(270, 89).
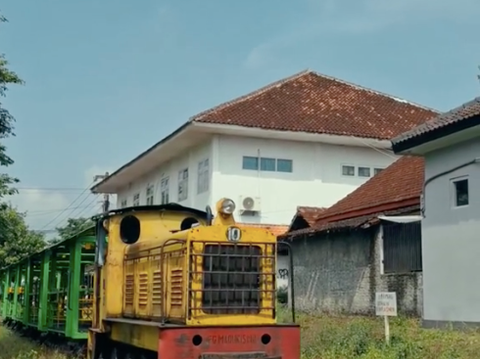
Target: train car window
point(187, 223)
point(129, 229)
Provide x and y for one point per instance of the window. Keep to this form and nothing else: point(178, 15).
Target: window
point(348, 170)
point(203, 176)
point(402, 247)
point(376, 171)
point(364, 171)
point(182, 185)
point(164, 190)
point(150, 195)
point(461, 192)
point(284, 165)
point(136, 199)
point(250, 163)
point(123, 204)
point(267, 164)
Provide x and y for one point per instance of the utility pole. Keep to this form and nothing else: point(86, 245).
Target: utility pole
point(106, 201)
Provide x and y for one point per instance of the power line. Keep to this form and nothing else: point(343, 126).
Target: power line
point(49, 188)
point(48, 211)
point(71, 204)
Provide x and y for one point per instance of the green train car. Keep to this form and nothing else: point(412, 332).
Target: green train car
point(52, 290)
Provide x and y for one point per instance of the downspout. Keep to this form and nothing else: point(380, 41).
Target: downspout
point(475, 160)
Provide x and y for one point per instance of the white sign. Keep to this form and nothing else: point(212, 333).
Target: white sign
point(386, 304)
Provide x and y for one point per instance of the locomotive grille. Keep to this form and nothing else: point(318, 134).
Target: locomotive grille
point(232, 278)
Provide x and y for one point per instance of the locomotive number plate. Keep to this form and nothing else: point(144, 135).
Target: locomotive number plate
point(234, 234)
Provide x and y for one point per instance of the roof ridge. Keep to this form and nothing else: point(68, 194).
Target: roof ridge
point(368, 89)
point(250, 94)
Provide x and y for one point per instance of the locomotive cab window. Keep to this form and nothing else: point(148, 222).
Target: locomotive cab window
point(187, 223)
point(129, 229)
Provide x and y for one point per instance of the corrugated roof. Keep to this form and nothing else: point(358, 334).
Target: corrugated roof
point(459, 114)
point(316, 103)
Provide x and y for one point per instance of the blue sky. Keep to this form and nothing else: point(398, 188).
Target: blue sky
point(105, 79)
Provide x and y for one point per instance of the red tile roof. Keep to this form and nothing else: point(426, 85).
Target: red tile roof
point(397, 187)
point(276, 229)
point(463, 113)
point(310, 214)
point(315, 103)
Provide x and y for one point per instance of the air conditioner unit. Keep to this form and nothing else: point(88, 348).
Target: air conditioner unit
point(249, 204)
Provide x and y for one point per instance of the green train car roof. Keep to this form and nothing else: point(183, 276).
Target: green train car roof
point(87, 232)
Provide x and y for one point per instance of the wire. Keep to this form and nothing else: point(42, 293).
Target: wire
point(48, 211)
point(77, 198)
point(49, 189)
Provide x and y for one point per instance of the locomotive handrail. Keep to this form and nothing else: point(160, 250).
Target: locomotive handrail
point(291, 276)
point(168, 241)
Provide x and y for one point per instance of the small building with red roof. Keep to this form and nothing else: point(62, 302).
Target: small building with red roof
point(368, 241)
point(450, 147)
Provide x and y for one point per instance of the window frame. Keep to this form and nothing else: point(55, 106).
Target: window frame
point(123, 203)
point(270, 161)
point(182, 188)
point(247, 168)
point(285, 160)
point(164, 189)
point(136, 199)
point(347, 175)
point(364, 167)
point(454, 182)
point(203, 176)
point(379, 169)
point(150, 194)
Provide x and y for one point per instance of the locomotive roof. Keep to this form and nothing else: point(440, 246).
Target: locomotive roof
point(171, 207)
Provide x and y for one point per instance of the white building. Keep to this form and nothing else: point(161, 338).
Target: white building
point(450, 145)
point(308, 139)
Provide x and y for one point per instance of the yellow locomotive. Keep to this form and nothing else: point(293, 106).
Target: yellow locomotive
point(173, 282)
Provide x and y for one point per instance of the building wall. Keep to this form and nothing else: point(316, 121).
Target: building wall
point(188, 160)
point(316, 179)
point(450, 239)
point(340, 273)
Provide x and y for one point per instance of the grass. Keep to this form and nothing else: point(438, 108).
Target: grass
point(344, 337)
point(13, 346)
point(327, 337)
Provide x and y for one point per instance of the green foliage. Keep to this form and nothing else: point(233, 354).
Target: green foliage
point(7, 77)
point(330, 337)
point(16, 239)
point(73, 226)
point(282, 295)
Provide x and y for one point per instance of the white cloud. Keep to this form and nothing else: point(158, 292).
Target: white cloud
point(47, 208)
point(360, 17)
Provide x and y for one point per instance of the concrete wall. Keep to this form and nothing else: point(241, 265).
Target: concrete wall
point(450, 238)
point(316, 179)
point(340, 273)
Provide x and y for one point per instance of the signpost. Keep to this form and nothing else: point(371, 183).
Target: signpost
point(386, 306)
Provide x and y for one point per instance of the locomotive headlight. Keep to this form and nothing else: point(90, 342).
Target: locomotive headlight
point(227, 206)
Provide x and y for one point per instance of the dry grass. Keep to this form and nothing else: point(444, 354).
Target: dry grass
point(354, 337)
point(330, 338)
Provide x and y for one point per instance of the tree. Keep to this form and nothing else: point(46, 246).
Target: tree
point(73, 226)
point(7, 77)
point(16, 239)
